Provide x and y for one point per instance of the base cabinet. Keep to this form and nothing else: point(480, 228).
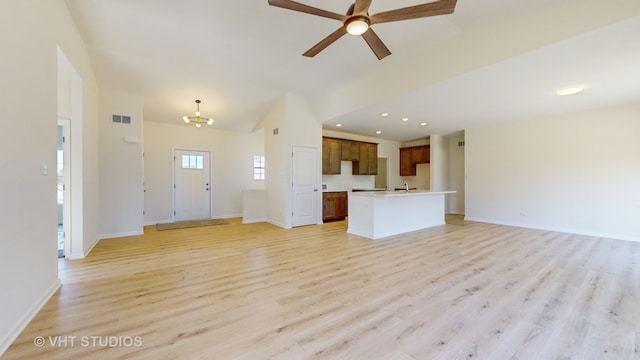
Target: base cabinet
point(334, 206)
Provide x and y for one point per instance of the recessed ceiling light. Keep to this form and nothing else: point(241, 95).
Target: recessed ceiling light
point(570, 91)
point(423, 124)
point(384, 114)
point(378, 132)
point(405, 119)
point(338, 125)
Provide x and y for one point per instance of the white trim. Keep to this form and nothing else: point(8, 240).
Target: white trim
point(251, 221)
point(122, 234)
point(151, 223)
point(562, 230)
point(278, 224)
point(26, 319)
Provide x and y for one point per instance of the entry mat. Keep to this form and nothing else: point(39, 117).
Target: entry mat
point(190, 224)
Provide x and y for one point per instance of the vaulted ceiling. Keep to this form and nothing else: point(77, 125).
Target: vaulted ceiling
point(490, 61)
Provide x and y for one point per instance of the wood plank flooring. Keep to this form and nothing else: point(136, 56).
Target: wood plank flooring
point(463, 290)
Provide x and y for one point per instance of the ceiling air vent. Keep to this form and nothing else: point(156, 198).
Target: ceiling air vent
point(121, 119)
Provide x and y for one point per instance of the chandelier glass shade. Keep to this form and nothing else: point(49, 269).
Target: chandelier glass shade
point(197, 119)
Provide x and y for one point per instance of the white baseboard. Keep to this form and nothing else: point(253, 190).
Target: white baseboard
point(278, 224)
point(557, 229)
point(251, 221)
point(122, 234)
point(26, 319)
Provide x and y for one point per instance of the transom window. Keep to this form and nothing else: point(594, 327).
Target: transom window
point(192, 162)
point(258, 167)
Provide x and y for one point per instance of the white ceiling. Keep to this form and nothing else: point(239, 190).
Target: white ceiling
point(239, 57)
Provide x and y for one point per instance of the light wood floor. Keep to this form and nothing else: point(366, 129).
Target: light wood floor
point(460, 291)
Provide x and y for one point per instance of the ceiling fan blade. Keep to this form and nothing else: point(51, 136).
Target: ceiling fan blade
point(292, 5)
point(326, 42)
point(376, 44)
point(362, 6)
point(441, 7)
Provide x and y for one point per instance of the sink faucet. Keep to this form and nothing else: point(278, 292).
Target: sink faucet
point(406, 186)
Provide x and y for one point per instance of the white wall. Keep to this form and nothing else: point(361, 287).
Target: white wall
point(121, 191)
point(346, 181)
point(439, 166)
point(30, 31)
point(578, 173)
point(292, 115)
point(276, 159)
point(231, 166)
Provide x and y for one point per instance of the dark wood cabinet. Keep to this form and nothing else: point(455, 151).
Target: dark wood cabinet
point(350, 150)
point(406, 165)
point(355, 150)
point(363, 155)
point(368, 162)
point(346, 150)
point(334, 205)
point(331, 156)
point(411, 156)
point(420, 155)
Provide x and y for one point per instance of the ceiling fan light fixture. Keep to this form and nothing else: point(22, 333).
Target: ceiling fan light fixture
point(570, 91)
point(357, 25)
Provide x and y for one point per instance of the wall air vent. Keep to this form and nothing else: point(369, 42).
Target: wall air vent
point(121, 119)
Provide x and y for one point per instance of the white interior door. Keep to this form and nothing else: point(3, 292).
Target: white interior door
point(192, 185)
point(304, 186)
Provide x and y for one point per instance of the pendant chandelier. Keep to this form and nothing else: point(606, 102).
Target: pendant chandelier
point(198, 120)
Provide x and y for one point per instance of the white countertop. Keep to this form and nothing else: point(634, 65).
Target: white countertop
point(400, 193)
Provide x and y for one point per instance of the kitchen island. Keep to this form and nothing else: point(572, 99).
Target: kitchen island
point(379, 214)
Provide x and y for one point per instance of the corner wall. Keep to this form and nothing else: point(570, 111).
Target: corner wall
point(121, 169)
point(293, 117)
point(30, 33)
point(575, 173)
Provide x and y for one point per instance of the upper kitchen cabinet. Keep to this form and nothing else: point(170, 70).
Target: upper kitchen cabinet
point(331, 156)
point(411, 156)
point(421, 154)
point(368, 163)
point(407, 168)
point(363, 155)
point(350, 150)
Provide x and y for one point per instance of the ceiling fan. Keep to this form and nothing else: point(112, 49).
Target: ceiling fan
point(357, 21)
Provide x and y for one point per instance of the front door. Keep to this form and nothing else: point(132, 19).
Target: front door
point(304, 186)
point(192, 185)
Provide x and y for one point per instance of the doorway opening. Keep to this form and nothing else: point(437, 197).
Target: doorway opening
point(382, 177)
point(62, 173)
